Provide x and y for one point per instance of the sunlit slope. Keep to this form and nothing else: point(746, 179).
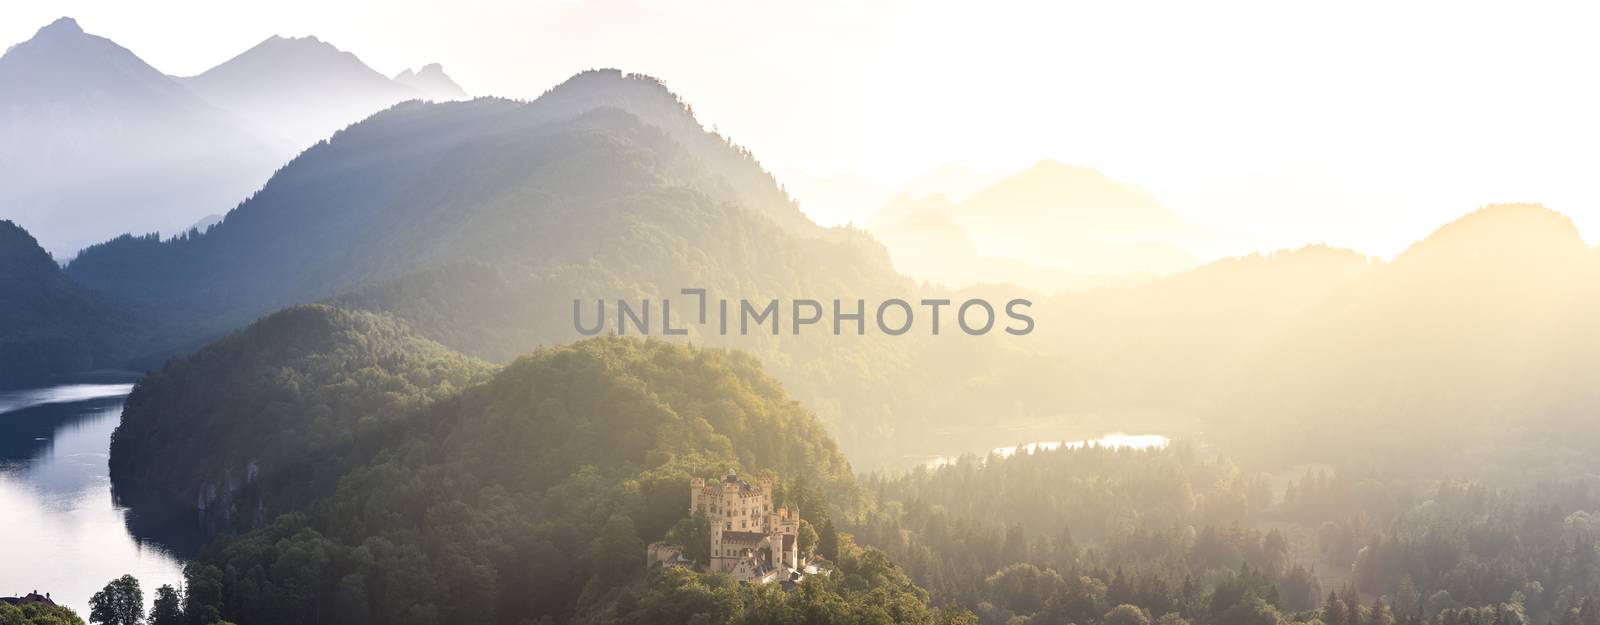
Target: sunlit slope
point(1481, 335)
point(1179, 344)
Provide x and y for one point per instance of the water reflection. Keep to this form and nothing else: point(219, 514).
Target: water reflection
point(11, 401)
point(56, 510)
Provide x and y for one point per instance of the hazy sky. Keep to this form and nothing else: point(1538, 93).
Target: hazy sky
point(1360, 124)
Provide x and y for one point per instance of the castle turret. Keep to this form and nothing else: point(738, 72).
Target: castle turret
point(697, 487)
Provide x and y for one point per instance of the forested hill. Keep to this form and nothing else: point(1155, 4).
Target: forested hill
point(49, 325)
point(267, 419)
point(532, 496)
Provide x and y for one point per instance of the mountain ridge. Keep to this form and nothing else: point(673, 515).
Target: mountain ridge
point(1056, 221)
point(432, 82)
point(77, 106)
point(304, 89)
point(165, 151)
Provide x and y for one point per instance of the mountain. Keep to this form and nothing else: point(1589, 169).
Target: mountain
point(1061, 218)
point(1076, 218)
point(1468, 351)
point(1181, 345)
point(743, 178)
point(552, 185)
point(926, 242)
point(836, 199)
point(1062, 226)
point(929, 246)
point(848, 198)
point(952, 181)
point(480, 223)
point(1056, 191)
point(274, 414)
point(1479, 335)
point(77, 107)
point(905, 205)
point(432, 83)
point(50, 325)
point(302, 89)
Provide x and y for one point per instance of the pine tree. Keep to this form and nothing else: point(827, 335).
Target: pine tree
point(828, 540)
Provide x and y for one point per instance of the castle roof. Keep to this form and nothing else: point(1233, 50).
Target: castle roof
point(733, 478)
point(743, 537)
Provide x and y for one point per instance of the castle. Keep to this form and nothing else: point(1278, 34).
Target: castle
point(750, 540)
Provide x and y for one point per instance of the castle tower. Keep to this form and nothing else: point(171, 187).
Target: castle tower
point(697, 487)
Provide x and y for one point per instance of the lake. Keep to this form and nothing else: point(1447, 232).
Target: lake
point(1113, 440)
point(60, 530)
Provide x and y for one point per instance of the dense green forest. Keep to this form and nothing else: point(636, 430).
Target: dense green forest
point(38, 614)
point(266, 420)
point(532, 495)
point(1066, 536)
point(529, 497)
point(50, 325)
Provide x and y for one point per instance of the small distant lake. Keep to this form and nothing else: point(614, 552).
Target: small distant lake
point(1114, 440)
point(60, 530)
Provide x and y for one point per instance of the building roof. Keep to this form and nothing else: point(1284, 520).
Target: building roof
point(30, 598)
point(733, 478)
point(742, 537)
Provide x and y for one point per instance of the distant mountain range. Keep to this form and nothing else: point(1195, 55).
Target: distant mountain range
point(927, 244)
point(162, 152)
point(303, 89)
point(431, 81)
point(75, 107)
point(1052, 227)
